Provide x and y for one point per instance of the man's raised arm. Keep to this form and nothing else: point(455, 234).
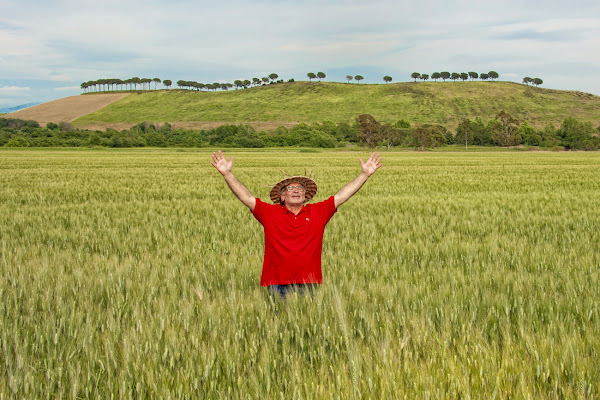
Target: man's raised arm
point(368, 169)
point(224, 167)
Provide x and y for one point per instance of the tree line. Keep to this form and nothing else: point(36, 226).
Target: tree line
point(112, 84)
point(456, 76)
point(501, 130)
point(238, 83)
point(103, 85)
point(463, 76)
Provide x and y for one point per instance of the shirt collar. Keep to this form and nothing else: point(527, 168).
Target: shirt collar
point(287, 210)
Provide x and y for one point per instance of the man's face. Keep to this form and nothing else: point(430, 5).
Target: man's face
point(293, 197)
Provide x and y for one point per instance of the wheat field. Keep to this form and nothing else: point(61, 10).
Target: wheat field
point(135, 274)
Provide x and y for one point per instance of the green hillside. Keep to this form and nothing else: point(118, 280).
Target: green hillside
point(289, 103)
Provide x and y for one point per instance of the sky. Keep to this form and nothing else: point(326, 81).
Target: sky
point(48, 48)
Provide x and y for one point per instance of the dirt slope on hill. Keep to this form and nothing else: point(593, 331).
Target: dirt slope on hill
point(66, 109)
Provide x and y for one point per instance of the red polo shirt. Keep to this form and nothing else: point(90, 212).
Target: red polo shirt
point(293, 243)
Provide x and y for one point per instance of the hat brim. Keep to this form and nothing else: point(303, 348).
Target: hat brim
point(310, 188)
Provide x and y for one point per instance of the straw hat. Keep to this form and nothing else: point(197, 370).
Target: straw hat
point(310, 188)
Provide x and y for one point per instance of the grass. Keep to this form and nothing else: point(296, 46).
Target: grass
point(135, 273)
point(445, 103)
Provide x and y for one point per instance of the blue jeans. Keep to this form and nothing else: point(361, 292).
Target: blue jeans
point(281, 291)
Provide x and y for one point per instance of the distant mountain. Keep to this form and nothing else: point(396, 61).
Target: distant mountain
point(17, 108)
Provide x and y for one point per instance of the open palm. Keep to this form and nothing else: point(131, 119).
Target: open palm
point(220, 162)
point(372, 164)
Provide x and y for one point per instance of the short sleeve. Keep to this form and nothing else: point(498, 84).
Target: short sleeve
point(330, 207)
point(259, 210)
point(326, 209)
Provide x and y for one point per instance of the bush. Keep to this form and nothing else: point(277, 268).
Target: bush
point(17, 141)
point(549, 136)
point(348, 132)
point(94, 140)
point(65, 126)
point(305, 136)
point(4, 137)
point(14, 123)
point(575, 134)
point(450, 139)
point(30, 124)
point(402, 124)
point(529, 136)
point(533, 140)
point(277, 138)
point(244, 142)
point(145, 127)
point(155, 139)
point(591, 144)
point(166, 127)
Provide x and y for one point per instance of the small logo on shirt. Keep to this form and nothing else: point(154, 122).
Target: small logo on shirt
point(308, 219)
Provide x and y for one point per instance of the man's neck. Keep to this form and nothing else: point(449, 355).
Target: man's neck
point(294, 209)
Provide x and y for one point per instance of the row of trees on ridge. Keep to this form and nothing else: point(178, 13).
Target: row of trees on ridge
point(456, 76)
point(118, 84)
point(101, 85)
point(464, 76)
point(238, 83)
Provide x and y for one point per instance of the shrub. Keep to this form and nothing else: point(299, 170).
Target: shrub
point(30, 124)
point(17, 141)
point(348, 132)
point(576, 134)
point(65, 126)
point(533, 140)
point(402, 124)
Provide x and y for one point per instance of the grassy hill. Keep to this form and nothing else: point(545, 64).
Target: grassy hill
point(444, 103)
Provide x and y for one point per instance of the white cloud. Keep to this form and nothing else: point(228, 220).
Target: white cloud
point(13, 89)
point(552, 25)
point(60, 78)
point(17, 44)
point(68, 88)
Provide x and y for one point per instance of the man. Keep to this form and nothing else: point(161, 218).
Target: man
point(293, 230)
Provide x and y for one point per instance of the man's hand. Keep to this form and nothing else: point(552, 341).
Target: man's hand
point(368, 169)
point(220, 163)
point(224, 167)
point(372, 164)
